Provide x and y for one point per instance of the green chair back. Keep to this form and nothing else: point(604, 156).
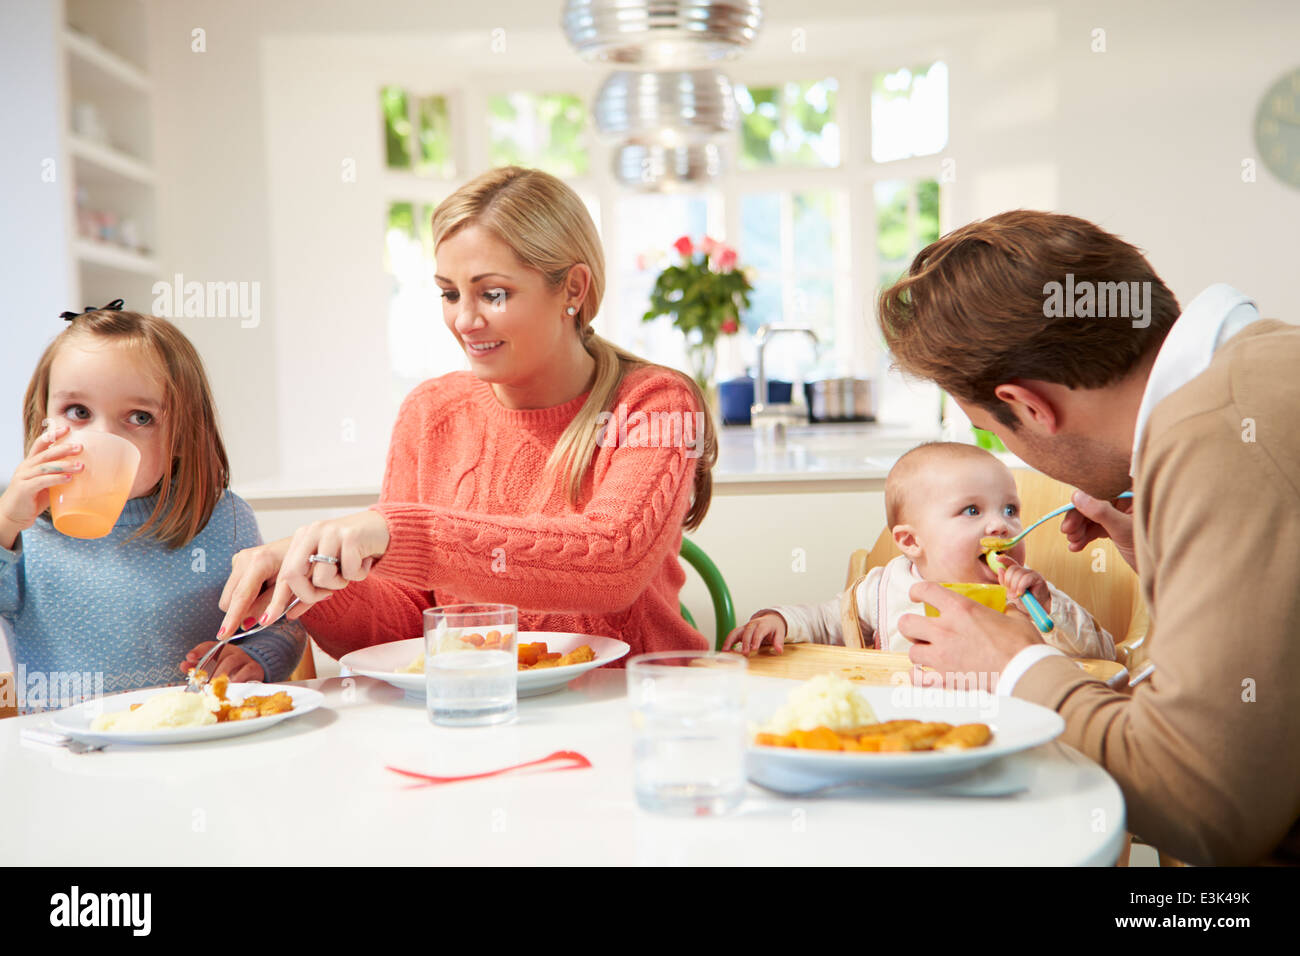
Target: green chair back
point(724, 611)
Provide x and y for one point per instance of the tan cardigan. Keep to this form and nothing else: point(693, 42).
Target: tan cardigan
point(1207, 751)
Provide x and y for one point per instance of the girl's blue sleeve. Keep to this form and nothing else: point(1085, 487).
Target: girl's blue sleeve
point(11, 580)
point(278, 648)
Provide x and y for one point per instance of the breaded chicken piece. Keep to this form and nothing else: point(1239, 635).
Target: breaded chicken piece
point(921, 737)
point(964, 737)
point(579, 655)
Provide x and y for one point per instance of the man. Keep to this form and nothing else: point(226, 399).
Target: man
point(1059, 337)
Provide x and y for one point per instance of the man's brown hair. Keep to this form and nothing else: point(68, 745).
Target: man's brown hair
point(199, 470)
point(973, 311)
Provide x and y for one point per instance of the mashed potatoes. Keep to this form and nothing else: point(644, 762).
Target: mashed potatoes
point(165, 711)
point(827, 700)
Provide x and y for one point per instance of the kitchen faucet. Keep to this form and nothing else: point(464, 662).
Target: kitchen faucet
point(776, 414)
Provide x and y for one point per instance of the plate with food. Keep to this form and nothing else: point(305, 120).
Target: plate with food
point(173, 715)
point(833, 730)
point(548, 660)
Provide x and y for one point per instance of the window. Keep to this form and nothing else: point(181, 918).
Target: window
point(907, 220)
point(541, 130)
point(793, 240)
point(789, 125)
point(909, 112)
point(647, 228)
point(787, 208)
point(417, 133)
point(419, 345)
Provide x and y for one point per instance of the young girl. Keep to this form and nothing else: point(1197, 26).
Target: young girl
point(121, 612)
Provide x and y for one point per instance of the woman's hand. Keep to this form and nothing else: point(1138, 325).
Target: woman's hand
point(768, 628)
point(356, 541)
point(230, 660)
point(28, 494)
point(1097, 518)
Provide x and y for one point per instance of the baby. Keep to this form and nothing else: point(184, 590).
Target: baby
point(941, 498)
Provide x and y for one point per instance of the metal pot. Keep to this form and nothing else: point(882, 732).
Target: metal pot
point(841, 400)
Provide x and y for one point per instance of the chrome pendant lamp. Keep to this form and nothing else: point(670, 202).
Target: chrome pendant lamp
point(665, 118)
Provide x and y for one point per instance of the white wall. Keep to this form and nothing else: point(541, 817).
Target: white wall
point(35, 275)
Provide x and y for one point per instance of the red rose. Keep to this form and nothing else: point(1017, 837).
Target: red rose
point(683, 245)
point(729, 326)
point(727, 260)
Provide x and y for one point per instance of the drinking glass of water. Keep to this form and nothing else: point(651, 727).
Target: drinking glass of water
point(688, 718)
point(470, 664)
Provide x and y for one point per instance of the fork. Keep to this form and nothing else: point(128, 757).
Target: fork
point(192, 684)
point(53, 738)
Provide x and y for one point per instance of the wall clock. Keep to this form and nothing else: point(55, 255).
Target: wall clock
point(1277, 129)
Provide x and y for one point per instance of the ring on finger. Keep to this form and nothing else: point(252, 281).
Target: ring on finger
point(322, 559)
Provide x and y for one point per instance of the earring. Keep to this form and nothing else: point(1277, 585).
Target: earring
point(571, 310)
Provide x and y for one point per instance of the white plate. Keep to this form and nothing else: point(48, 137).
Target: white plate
point(76, 721)
point(383, 660)
point(1016, 724)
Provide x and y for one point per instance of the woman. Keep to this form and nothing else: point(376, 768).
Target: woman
point(532, 479)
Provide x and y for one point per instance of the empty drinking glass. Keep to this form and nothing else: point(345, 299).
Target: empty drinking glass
point(688, 715)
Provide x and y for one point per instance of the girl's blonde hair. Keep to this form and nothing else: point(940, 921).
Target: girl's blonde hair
point(200, 472)
point(549, 229)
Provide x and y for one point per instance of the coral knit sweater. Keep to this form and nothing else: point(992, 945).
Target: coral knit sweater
point(471, 517)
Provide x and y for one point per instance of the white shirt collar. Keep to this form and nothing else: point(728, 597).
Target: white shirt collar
point(1209, 320)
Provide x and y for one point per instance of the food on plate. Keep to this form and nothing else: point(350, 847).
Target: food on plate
point(531, 656)
point(536, 656)
point(827, 712)
point(893, 736)
point(827, 700)
point(180, 708)
point(173, 709)
point(257, 706)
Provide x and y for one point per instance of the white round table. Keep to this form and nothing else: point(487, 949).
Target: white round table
point(314, 790)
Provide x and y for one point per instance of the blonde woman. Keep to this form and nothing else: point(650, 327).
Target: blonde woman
point(556, 475)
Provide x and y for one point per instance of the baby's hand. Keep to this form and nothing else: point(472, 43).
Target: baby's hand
point(1018, 579)
point(763, 628)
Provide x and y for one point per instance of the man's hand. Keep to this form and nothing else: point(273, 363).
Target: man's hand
point(1095, 518)
point(966, 638)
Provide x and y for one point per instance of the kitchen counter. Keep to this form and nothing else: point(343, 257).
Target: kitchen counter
point(858, 455)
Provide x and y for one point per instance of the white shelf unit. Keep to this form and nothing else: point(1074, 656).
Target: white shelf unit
point(108, 140)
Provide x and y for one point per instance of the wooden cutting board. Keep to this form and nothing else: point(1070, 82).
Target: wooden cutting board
point(801, 661)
